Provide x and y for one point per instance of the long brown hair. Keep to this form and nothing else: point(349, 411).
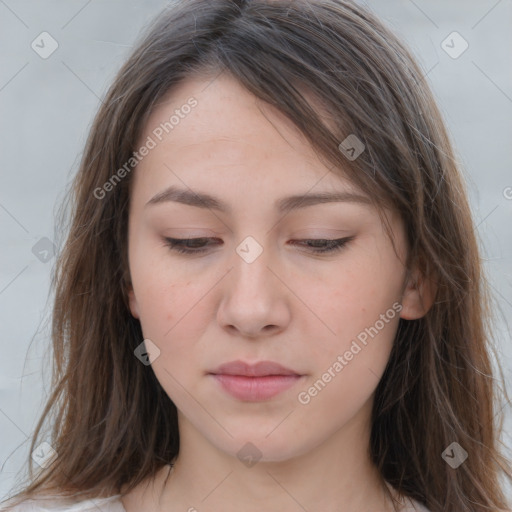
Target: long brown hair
point(113, 424)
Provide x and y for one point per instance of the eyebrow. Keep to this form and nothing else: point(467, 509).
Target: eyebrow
point(285, 204)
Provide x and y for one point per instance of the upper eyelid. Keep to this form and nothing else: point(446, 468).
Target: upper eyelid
point(192, 238)
point(176, 241)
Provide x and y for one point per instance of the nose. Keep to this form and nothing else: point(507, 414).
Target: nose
point(255, 299)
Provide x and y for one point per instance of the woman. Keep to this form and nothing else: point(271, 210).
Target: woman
point(271, 296)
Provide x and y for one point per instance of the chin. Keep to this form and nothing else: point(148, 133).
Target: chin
point(254, 446)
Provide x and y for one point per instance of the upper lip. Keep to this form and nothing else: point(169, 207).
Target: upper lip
point(259, 369)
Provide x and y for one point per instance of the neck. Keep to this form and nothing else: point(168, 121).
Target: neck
point(338, 471)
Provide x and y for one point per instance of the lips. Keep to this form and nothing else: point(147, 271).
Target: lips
point(256, 382)
point(260, 369)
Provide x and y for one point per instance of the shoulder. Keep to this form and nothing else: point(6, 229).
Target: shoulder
point(60, 504)
point(415, 506)
point(407, 504)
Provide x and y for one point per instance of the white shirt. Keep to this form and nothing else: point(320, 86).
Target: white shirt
point(114, 504)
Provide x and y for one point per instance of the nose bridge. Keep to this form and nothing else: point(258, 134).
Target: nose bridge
point(251, 263)
point(252, 296)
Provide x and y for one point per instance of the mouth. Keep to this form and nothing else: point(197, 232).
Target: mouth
point(256, 382)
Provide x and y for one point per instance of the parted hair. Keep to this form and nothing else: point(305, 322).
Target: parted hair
point(109, 419)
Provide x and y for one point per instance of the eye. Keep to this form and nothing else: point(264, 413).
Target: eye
point(187, 245)
point(320, 246)
point(198, 245)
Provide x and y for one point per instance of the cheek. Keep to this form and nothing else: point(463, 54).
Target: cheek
point(170, 310)
point(175, 310)
point(162, 292)
point(352, 298)
point(356, 314)
point(348, 367)
point(173, 317)
point(159, 297)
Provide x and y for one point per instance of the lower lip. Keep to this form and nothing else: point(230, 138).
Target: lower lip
point(255, 389)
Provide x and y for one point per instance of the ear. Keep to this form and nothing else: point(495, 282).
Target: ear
point(133, 302)
point(418, 295)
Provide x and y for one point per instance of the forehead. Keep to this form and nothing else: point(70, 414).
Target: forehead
point(231, 134)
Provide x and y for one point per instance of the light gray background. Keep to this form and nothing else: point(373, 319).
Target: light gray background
point(47, 106)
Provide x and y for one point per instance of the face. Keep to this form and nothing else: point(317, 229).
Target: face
point(259, 283)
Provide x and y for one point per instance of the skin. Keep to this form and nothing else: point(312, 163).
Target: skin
point(289, 305)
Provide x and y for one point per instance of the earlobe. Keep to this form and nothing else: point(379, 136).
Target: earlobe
point(133, 303)
point(418, 296)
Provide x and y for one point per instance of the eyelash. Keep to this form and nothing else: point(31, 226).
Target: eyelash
point(331, 246)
